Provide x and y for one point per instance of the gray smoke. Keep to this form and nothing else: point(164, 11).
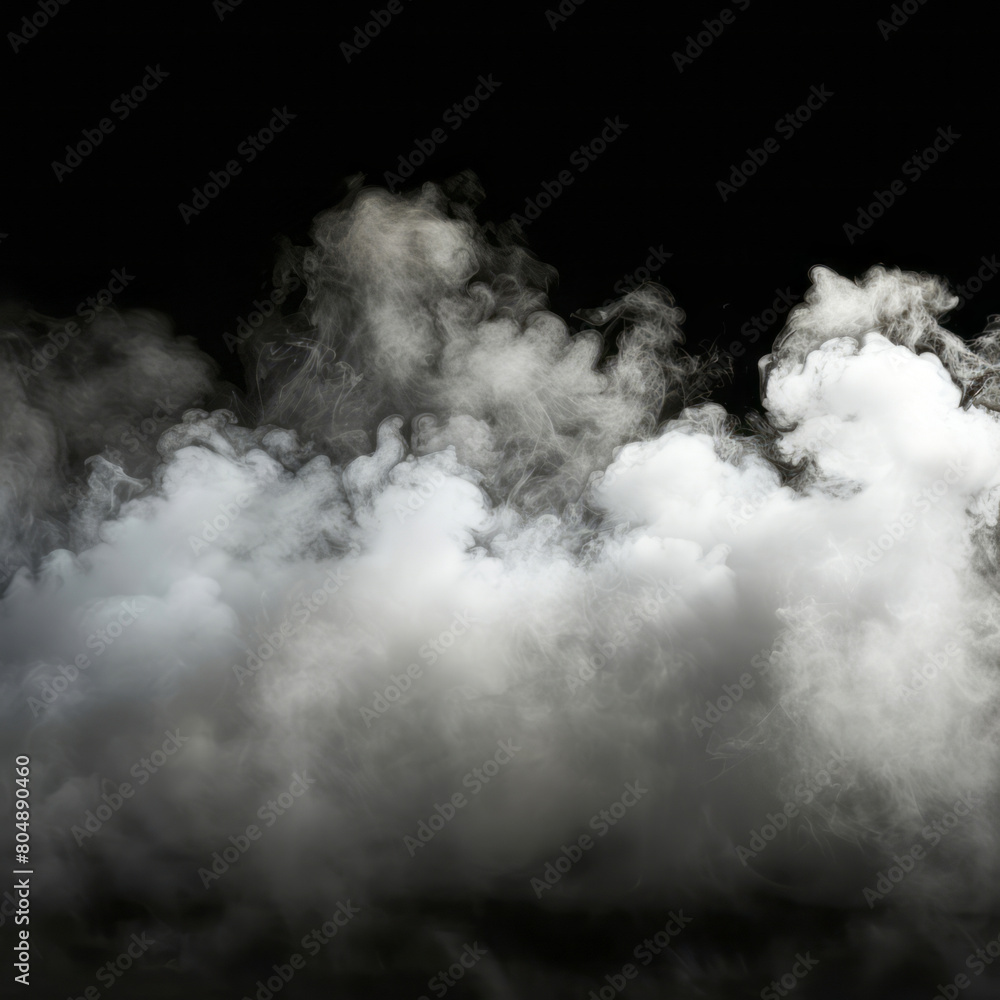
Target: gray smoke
point(443, 525)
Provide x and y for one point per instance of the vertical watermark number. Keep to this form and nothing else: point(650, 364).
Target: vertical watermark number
point(22, 824)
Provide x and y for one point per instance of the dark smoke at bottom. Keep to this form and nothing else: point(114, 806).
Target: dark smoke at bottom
point(464, 642)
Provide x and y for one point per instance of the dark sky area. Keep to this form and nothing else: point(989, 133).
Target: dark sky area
point(698, 90)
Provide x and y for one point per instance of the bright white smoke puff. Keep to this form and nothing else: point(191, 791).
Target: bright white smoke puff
point(461, 555)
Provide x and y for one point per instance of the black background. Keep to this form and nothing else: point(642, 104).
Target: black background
point(656, 185)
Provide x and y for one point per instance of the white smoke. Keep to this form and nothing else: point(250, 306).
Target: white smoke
point(452, 527)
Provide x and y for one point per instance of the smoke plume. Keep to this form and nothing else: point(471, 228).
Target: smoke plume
point(447, 549)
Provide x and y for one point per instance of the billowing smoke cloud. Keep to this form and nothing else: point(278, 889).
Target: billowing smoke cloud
point(455, 590)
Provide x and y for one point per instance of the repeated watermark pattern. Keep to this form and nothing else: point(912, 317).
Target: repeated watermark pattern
point(913, 168)
point(88, 310)
point(365, 33)
point(805, 792)
point(300, 613)
point(475, 780)
point(44, 12)
point(313, 942)
point(469, 957)
point(249, 149)
point(933, 834)
point(785, 126)
point(98, 641)
point(454, 117)
point(122, 106)
point(644, 952)
point(900, 15)
point(697, 44)
point(601, 823)
point(240, 843)
point(580, 160)
point(803, 965)
point(142, 770)
point(430, 651)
